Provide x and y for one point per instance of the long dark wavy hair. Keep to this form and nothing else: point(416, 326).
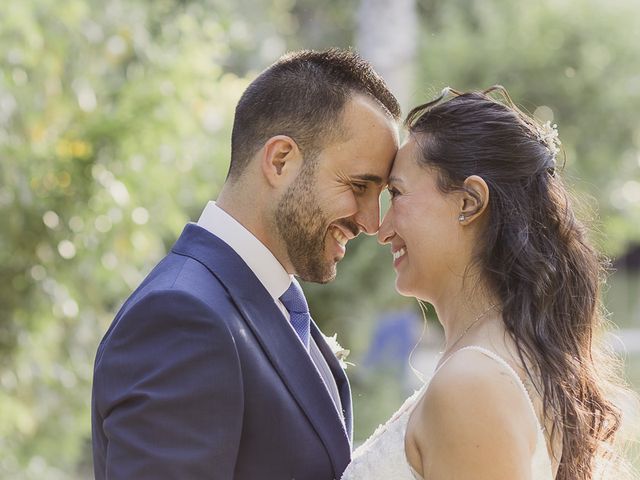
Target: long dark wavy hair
point(537, 259)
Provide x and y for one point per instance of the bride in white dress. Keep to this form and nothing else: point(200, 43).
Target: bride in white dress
point(480, 227)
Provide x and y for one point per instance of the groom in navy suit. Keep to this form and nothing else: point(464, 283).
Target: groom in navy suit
point(213, 368)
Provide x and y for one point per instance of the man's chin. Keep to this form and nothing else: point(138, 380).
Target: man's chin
point(325, 275)
point(329, 278)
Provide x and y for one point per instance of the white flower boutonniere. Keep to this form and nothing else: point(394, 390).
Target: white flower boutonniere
point(337, 349)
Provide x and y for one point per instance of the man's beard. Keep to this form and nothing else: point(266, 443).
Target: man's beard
point(302, 225)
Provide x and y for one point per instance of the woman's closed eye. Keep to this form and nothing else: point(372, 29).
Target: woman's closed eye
point(393, 192)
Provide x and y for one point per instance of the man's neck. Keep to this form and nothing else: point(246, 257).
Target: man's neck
point(253, 217)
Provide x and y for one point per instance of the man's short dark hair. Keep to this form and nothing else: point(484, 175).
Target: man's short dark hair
point(302, 96)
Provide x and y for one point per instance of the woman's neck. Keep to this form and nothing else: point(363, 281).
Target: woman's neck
point(464, 313)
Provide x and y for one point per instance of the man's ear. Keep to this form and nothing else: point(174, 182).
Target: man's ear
point(474, 199)
point(280, 160)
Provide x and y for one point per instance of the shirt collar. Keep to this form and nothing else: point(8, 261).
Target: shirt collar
point(253, 252)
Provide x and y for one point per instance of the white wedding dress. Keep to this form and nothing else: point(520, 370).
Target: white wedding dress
point(382, 456)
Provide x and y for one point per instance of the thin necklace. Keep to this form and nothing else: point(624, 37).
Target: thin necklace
point(476, 320)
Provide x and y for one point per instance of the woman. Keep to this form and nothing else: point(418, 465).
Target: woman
point(481, 227)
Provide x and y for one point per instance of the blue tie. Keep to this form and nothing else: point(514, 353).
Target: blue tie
point(294, 301)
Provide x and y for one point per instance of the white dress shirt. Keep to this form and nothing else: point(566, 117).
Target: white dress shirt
point(258, 258)
point(271, 274)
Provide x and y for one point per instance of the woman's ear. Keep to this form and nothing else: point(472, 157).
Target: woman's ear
point(474, 199)
point(280, 160)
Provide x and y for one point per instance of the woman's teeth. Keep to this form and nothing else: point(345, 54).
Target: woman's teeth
point(397, 254)
point(340, 238)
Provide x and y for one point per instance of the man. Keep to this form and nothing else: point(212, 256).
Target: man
point(213, 368)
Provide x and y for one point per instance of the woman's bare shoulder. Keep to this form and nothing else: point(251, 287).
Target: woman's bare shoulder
point(475, 409)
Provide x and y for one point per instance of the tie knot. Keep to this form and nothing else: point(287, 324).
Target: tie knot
point(293, 298)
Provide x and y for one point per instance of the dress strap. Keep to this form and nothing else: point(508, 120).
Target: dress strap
point(542, 455)
point(510, 369)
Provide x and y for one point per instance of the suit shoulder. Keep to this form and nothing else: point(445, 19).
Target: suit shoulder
point(181, 277)
point(165, 312)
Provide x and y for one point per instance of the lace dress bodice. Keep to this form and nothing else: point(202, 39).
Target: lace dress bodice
point(383, 456)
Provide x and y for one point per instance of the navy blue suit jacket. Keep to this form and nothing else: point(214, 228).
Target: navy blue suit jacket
point(200, 377)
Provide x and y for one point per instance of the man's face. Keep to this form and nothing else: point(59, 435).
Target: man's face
point(337, 194)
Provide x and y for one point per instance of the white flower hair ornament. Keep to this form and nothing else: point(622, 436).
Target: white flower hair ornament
point(548, 136)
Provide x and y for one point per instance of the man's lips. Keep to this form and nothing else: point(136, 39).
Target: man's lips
point(340, 237)
point(349, 228)
point(343, 232)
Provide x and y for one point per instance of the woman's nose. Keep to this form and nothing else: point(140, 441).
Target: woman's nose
point(386, 232)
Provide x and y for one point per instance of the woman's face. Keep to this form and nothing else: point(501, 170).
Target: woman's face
point(428, 246)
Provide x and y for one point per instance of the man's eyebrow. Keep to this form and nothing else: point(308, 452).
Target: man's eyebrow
point(368, 177)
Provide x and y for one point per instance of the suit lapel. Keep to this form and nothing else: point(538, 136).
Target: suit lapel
point(276, 337)
point(342, 382)
point(299, 374)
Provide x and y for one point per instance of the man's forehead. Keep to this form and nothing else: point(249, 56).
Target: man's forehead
point(362, 108)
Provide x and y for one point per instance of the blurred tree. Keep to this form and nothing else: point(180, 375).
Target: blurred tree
point(388, 37)
point(114, 130)
point(572, 62)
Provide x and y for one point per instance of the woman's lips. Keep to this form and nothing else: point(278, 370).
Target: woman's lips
point(398, 255)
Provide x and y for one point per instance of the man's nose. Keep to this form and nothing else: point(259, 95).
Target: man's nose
point(368, 217)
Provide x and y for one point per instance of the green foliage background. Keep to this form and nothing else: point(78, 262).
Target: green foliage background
point(115, 125)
